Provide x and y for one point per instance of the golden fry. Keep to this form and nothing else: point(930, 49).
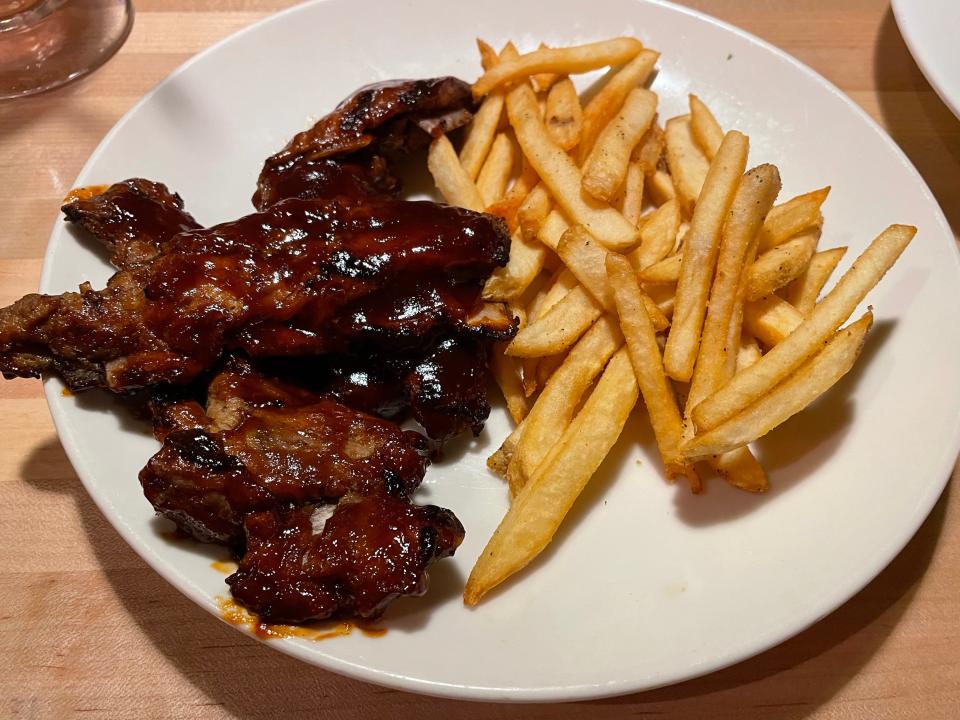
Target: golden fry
point(495, 173)
point(511, 281)
point(813, 378)
point(658, 236)
point(803, 292)
point(688, 165)
point(539, 509)
point(650, 149)
point(605, 169)
point(705, 128)
point(771, 319)
point(564, 117)
point(564, 61)
point(559, 328)
point(661, 188)
point(759, 379)
point(506, 372)
point(451, 179)
point(665, 271)
point(700, 254)
point(533, 211)
point(780, 265)
point(789, 218)
point(630, 202)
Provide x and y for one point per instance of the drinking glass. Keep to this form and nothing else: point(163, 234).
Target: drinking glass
point(47, 43)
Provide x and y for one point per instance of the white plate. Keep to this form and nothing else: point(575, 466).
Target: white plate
point(930, 29)
point(645, 585)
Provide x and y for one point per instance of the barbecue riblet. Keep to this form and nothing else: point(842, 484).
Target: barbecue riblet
point(345, 154)
point(130, 218)
point(206, 481)
point(298, 263)
point(312, 563)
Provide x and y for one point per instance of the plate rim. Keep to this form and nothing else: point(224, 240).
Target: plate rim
point(882, 557)
point(930, 70)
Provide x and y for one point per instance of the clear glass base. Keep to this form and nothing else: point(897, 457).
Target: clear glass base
point(45, 44)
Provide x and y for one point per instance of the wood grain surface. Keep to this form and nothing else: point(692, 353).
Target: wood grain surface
point(87, 629)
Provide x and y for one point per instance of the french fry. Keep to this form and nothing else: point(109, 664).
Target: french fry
point(451, 179)
point(554, 409)
point(661, 188)
point(813, 378)
point(665, 271)
point(740, 468)
point(511, 281)
point(789, 218)
point(650, 149)
point(586, 259)
point(748, 352)
point(700, 254)
point(506, 372)
point(560, 284)
point(542, 81)
point(564, 117)
point(552, 229)
point(499, 461)
point(803, 292)
point(605, 104)
point(779, 265)
point(771, 319)
point(606, 167)
point(539, 509)
point(495, 173)
point(749, 385)
point(563, 61)
point(644, 352)
point(662, 295)
point(547, 366)
point(705, 128)
point(533, 211)
point(688, 165)
point(658, 236)
point(482, 129)
point(630, 202)
point(559, 328)
point(752, 201)
point(561, 176)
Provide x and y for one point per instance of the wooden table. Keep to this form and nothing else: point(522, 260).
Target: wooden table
point(87, 628)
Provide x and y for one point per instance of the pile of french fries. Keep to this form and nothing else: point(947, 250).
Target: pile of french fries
point(645, 260)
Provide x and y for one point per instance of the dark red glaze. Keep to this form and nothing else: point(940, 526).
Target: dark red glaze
point(375, 124)
point(206, 481)
point(130, 218)
point(371, 550)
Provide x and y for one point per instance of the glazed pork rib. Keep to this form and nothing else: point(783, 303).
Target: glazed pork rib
point(351, 559)
point(272, 283)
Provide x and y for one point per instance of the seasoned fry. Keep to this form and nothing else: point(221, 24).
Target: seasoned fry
point(803, 292)
point(538, 510)
point(665, 271)
point(752, 201)
point(451, 179)
point(650, 149)
point(561, 176)
point(688, 164)
point(554, 409)
point(533, 210)
point(754, 382)
point(705, 128)
point(658, 236)
point(771, 319)
point(661, 188)
point(564, 61)
point(542, 81)
point(794, 216)
point(779, 265)
point(482, 129)
point(741, 469)
point(552, 229)
point(748, 352)
point(495, 173)
point(605, 104)
point(641, 342)
point(559, 328)
point(700, 254)
point(606, 167)
point(499, 461)
point(813, 378)
point(630, 202)
point(506, 372)
point(525, 263)
point(564, 117)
